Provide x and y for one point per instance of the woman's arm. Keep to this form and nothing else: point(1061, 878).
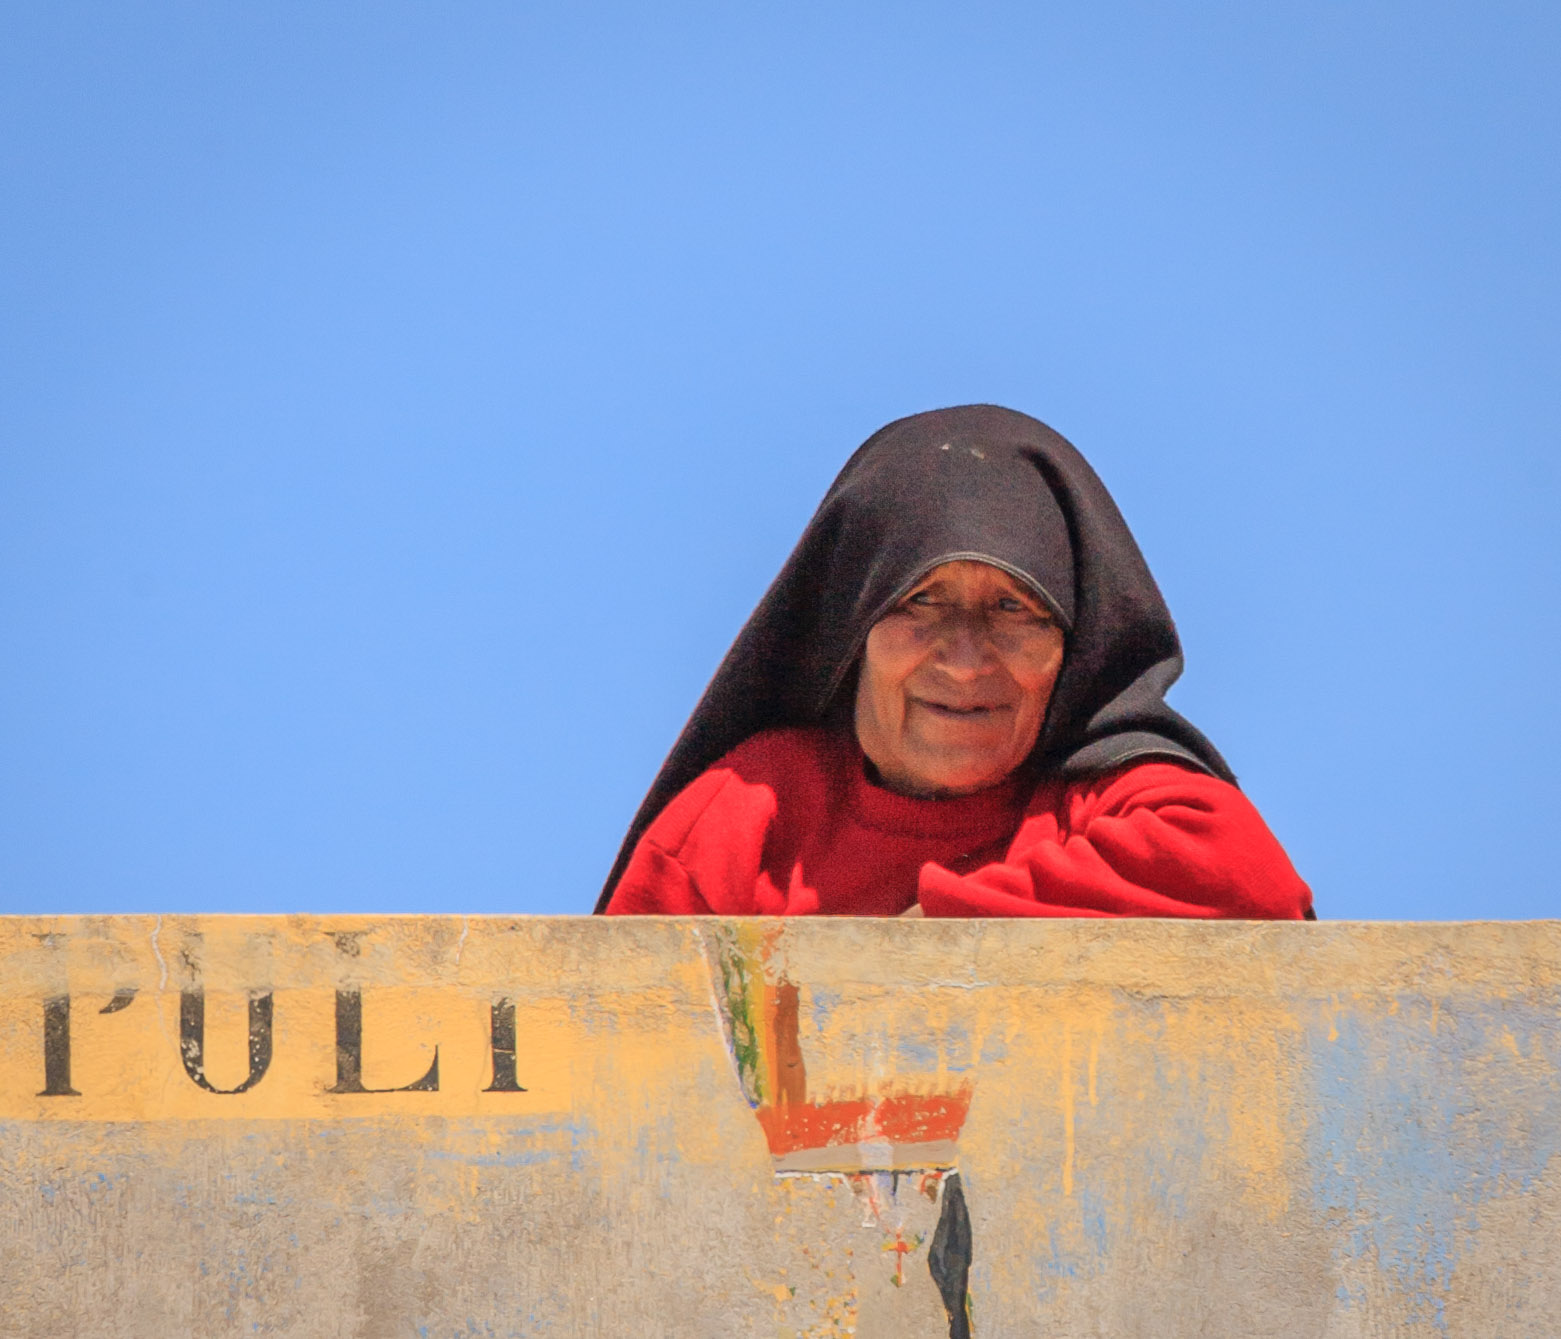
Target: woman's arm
point(655, 884)
point(701, 855)
point(1152, 840)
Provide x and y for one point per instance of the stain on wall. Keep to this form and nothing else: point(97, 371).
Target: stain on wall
point(876, 1138)
point(437, 1127)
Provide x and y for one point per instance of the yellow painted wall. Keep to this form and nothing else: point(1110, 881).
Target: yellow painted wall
point(768, 1128)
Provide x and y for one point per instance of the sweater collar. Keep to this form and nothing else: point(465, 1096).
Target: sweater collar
point(980, 818)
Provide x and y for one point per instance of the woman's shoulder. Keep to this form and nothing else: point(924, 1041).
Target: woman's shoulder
point(1169, 794)
point(1153, 782)
point(747, 784)
point(1161, 810)
point(1157, 776)
point(781, 754)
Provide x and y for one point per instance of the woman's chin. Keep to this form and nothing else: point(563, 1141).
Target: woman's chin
point(961, 759)
point(949, 779)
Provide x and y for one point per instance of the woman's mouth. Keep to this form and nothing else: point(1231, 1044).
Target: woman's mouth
point(960, 712)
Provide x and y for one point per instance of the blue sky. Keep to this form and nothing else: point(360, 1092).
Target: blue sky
point(402, 406)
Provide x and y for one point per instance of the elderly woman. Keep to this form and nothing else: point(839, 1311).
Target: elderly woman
point(951, 702)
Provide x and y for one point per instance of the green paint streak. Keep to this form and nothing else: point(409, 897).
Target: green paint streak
point(738, 978)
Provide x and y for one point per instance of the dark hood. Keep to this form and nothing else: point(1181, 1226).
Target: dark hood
point(978, 482)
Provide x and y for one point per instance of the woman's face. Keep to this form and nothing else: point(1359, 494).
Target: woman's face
point(955, 681)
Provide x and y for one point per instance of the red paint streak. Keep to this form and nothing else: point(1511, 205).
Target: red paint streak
point(788, 1076)
point(792, 1123)
point(900, 1246)
point(902, 1118)
point(814, 1125)
point(908, 1119)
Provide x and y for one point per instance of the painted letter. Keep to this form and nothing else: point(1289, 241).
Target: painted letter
point(349, 1052)
point(503, 1034)
point(192, 1040)
point(56, 1048)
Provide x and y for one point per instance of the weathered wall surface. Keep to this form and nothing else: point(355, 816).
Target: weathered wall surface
point(438, 1127)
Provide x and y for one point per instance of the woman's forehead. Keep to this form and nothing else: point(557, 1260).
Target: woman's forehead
point(973, 574)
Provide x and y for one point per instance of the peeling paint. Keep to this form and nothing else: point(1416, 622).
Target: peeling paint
point(759, 1128)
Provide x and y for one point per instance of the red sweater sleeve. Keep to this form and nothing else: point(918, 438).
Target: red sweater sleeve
point(1152, 840)
point(700, 857)
point(655, 884)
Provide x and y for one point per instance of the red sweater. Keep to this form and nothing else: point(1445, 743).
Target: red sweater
point(787, 824)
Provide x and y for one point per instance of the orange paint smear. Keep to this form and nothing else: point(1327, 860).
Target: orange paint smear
point(901, 1118)
point(791, 1123)
point(814, 1124)
point(909, 1119)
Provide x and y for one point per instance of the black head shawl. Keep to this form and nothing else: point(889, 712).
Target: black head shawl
point(977, 482)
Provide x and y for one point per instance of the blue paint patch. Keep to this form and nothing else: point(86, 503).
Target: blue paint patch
point(958, 1053)
point(1170, 1162)
point(1060, 1263)
point(1165, 1164)
point(930, 1051)
point(822, 1004)
point(525, 1158)
point(257, 1197)
point(1412, 1130)
point(531, 1144)
point(916, 1053)
point(1092, 1211)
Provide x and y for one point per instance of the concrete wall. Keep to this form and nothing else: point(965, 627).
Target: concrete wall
point(438, 1127)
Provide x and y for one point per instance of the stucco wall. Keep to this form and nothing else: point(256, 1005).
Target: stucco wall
point(667, 1127)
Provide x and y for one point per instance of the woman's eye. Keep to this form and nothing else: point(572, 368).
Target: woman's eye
point(1010, 604)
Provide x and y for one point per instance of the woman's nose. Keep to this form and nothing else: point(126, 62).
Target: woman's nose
point(965, 649)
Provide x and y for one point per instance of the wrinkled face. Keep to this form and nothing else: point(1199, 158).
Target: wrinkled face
point(955, 681)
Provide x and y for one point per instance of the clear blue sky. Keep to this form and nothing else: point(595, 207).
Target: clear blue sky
point(402, 406)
